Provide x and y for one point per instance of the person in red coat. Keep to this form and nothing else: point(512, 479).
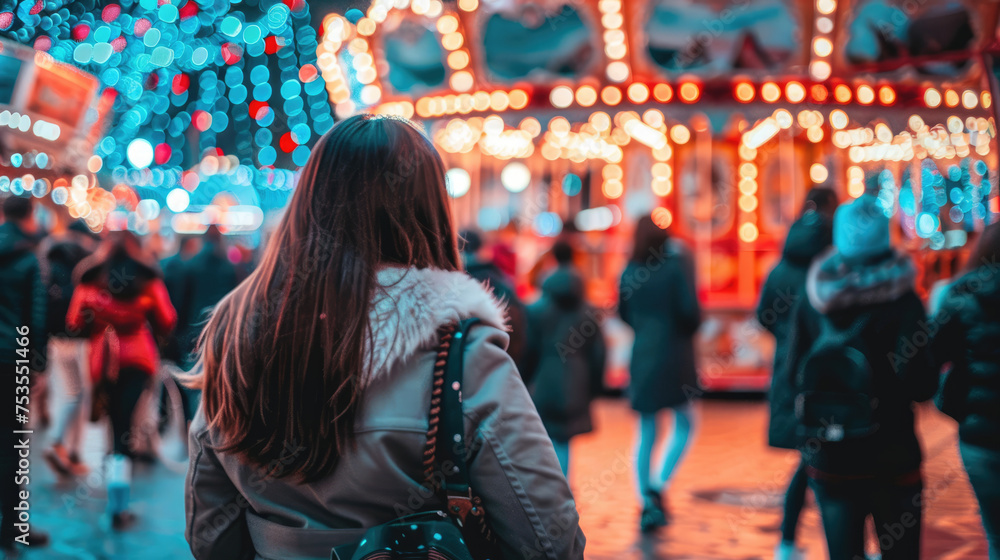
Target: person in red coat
point(122, 303)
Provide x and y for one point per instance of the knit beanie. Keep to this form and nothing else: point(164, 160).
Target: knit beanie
point(861, 228)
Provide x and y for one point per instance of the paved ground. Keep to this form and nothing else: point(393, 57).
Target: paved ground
point(725, 498)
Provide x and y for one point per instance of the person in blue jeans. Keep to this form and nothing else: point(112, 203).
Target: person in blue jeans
point(657, 299)
point(967, 344)
point(861, 304)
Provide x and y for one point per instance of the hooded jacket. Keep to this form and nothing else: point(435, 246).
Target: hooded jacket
point(969, 340)
point(197, 285)
point(809, 236)
point(876, 293)
point(564, 362)
point(22, 298)
point(235, 511)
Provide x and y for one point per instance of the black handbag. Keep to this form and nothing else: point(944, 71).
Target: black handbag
point(460, 531)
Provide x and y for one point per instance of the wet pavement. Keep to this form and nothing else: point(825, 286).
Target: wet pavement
point(725, 498)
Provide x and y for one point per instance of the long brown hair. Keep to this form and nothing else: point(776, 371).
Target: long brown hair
point(649, 239)
point(285, 353)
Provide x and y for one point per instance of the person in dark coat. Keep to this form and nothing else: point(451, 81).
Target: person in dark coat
point(22, 349)
point(657, 299)
point(67, 359)
point(809, 236)
point(565, 357)
point(863, 290)
point(968, 339)
point(175, 278)
point(480, 265)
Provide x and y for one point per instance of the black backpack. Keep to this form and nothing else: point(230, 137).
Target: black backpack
point(835, 383)
point(460, 532)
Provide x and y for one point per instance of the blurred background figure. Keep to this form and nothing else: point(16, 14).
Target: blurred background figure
point(478, 260)
point(657, 299)
point(121, 302)
point(67, 359)
point(198, 283)
point(565, 357)
point(968, 344)
point(22, 303)
point(809, 236)
point(858, 373)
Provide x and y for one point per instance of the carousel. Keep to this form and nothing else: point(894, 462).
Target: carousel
point(715, 117)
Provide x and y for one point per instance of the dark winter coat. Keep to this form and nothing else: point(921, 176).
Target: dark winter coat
point(204, 279)
point(968, 338)
point(61, 258)
point(488, 273)
point(22, 298)
point(564, 361)
point(897, 351)
point(808, 237)
point(657, 299)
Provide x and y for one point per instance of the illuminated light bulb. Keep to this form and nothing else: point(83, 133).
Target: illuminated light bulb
point(653, 117)
point(680, 134)
point(748, 170)
point(987, 100)
point(662, 217)
point(586, 96)
point(458, 182)
point(663, 153)
point(515, 177)
point(795, 92)
point(866, 95)
point(462, 81)
point(612, 172)
point(612, 20)
point(518, 99)
point(838, 119)
point(855, 189)
point(819, 93)
point(748, 232)
point(842, 94)
point(617, 71)
point(886, 95)
point(661, 186)
point(818, 173)
point(452, 41)
point(458, 60)
point(661, 170)
point(783, 118)
point(954, 124)
point(499, 100)
point(663, 93)
point(638, 93)
point(468, 5)
point(951, 98)
point(611, 95)
point(969, 99)
point(824, 24)
point(747, 153)
point(744, 92)
point(614, 37)
point(447, 24)
point(748, 203)
point(561, 97)
point(613, 188)
point(95, 163)
point(932, 98)
point(424, 107)
point(815, 134)
point(600, 121)
point(826, 7)
point(140, 153)
point(480, 101)
point(609, 6)
point(770, 92)
point(689, 92)
point(820, 70)
point(371, 94)
point(178, 200)
point(366, 26)
point(559, 126)
point(616, 51)
point(823, 47)
point(531, 126)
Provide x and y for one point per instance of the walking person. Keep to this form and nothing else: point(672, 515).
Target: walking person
point(859, 368)
point(968, 340)
point(121, 302)
point(22, 304)
point(67, 358)
point(657, 299)
point(809, 236)
point(564, 362)
point(317, 372)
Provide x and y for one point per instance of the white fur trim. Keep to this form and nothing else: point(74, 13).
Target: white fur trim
point(411, 304)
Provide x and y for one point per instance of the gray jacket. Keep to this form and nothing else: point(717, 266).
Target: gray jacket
point(235, 510)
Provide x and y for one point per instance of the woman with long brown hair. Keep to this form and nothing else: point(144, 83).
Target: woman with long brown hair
point(316, 371)
point(121, 302)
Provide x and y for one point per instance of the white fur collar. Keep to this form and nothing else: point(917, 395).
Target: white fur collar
point(411, 304)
